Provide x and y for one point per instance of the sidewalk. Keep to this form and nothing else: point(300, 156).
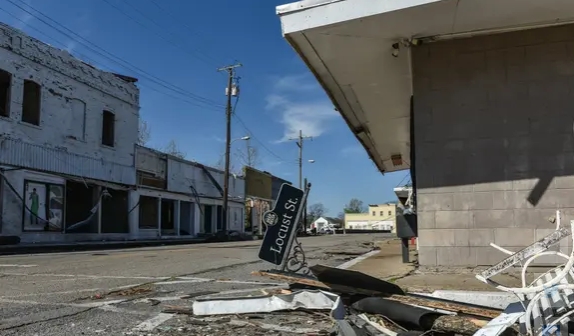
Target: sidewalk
point(388, 265)
point(32, 248)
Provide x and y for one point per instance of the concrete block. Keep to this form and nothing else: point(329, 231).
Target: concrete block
point(427, 256)
point(563, 182)
point(473, 201)
point(436, 237)
point(435, 202)
point(493, 186)
point(456, 256)
point(480, 237)
point(535, 218)
point(493, 218)
point(488, 256)
point(453, 219)
point(512, 200)
point(426, 220)
point(514, 236)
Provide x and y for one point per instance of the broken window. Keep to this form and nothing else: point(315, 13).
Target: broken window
point(108, 128)
point(31, 102)
point(5, 82)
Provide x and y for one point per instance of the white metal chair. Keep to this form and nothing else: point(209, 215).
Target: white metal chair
point(548, 300)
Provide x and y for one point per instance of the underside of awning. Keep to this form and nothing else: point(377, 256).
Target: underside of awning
point(349, 46)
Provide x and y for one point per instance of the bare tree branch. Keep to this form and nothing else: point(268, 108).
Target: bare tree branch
point(144, 132)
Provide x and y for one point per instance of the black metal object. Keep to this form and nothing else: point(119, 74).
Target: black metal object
point(405, 315)
point(212, 179)
point(336, 276)
point(281, 221)
point(407, 228)
point(413, 144)
point(297, 262)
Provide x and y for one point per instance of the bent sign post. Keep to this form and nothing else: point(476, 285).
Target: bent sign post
point(282, 222)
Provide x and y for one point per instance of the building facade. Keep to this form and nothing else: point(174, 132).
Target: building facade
point(474, 97)
point(378, 217)
point(176, 197)
point(67, 132)
point(261, 190)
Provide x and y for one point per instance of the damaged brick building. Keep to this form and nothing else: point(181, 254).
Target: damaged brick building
point(69, 166)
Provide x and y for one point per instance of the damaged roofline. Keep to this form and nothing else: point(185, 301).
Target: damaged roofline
point(356, 130)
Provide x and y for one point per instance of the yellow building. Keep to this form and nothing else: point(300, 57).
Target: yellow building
point(379, 217)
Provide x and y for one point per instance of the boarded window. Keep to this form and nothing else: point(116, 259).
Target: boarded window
point(31, 103)
point(78, 119)
point(5, 82)
point(108, 128)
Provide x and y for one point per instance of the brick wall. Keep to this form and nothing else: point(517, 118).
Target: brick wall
point(494, 142)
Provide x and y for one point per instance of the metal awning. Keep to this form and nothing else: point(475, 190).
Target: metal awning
point(105, 184)
point(348, 45)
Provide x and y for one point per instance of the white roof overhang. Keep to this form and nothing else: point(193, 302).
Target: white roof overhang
point(347, 44)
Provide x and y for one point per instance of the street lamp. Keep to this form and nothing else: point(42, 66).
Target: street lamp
point(245, 138)
point(311, 161)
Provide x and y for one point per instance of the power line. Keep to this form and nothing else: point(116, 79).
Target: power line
point(257, 140)
point(176, 19)
point(115, 59)
point(197, 54)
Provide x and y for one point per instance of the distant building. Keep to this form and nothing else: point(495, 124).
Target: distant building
point(261, 191)
point(177, 197)
point(326, 222)
point(379, 217)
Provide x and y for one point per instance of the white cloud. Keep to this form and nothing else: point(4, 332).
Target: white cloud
point(302, 82)
point(70, 46)
point(296, 98)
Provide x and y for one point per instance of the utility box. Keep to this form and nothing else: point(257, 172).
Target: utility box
point(407, 226)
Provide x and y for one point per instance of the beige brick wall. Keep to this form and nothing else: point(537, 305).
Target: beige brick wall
point(494, 142)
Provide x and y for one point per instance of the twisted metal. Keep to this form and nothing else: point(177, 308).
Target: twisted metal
point(297, 261)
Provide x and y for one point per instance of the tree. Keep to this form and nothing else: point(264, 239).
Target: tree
point(355, 206)
point(144, 132)
point(315, 211)
point(173, 149)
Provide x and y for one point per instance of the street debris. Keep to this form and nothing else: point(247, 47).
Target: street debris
point(307, 299)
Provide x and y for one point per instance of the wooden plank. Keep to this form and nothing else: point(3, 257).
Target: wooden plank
point(448, 306)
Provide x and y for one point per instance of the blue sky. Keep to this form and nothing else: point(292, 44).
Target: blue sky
point(175, 46)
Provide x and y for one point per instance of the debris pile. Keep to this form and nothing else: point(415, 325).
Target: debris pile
point(334, 302)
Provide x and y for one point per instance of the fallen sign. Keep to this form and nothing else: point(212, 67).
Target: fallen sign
point(282, 222)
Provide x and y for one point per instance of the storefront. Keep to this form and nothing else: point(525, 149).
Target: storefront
point(474, 97)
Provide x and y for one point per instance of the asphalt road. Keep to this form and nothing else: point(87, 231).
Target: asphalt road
point(123, 292)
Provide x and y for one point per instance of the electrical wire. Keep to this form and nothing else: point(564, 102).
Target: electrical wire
point(174, 18)
point(198, 55)
point(89, 59)
point(254, 137)
point(207, 103)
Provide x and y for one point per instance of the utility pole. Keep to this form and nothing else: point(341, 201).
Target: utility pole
point(300, 140)
point(231, 90)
